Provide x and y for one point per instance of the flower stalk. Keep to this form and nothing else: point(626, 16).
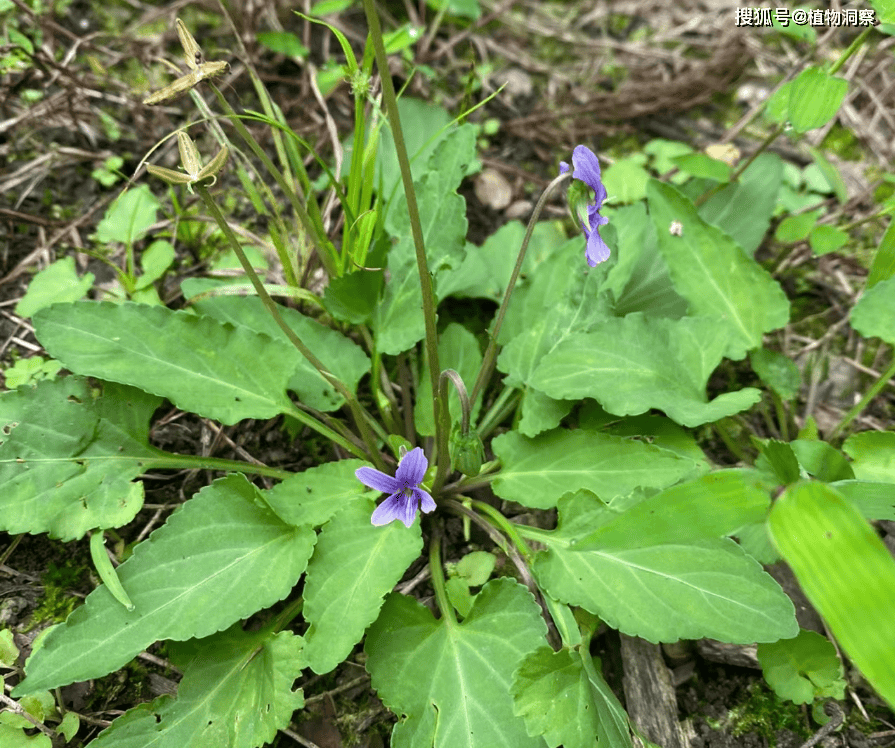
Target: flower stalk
point(391, 107)
point(491, 352)
point(353, 404)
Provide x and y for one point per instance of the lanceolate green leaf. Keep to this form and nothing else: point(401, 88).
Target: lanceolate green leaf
point(68, 456)
point(757, 187)
point(213, 369)
point(536, 472)
point(397, 321)
point(714, 274)
point(634, 363)
point(451, 680)
point(236, 691)
point(343, 358)
point(846, 572)
point(663, 593)
point(711, 506)
point(442, 209)
point(355, 565)
point(222, 545)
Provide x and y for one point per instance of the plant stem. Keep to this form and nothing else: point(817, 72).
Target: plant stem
point(862, 403)
point(359, 415)
point(504, 524)
point(504, 404)
point(852, 48)
point(170, 461)
point(491, 352)
point(437, 574)
point(391, 107)
point(772, 136)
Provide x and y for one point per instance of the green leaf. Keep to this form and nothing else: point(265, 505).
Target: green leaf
point(352, 297)
point(564, 298)
point(554, 695)
point(711, 506)
point(459, 595)
point(662, 593)
point(354, 566)
point(313, 496)
point(476, 567)
point(30, 371)
point(9, 652)
point(541, 413)
point(442, 210)
point(640, 281)
point(777, 106)
point(873, 453)
point(13, 737)
point(464, 8)
point(777, 371)
point(703, 166)
point(283, 42)
point(756, 188)
point(401, 38)
point(155, 261)
point(129, 217)
point(814, 98)
point(885, 10)
point(797, 228)
point(341, 356)
point(821, 460)
point(663, 152)
point(325, 7)
point(236, 691)
point(874, 314)
point(883, 265)
point(714, 275)
point(536, 472)
point(397, 321)
point(68, 456)
point(802, 669)
point(423, 126)
point(873, 500)
point(55, 283)
point(779, 460)
point(626, 179)
point(452, 680)
point(843, 567)
point(223, 544)
point(829, 174)
point(826, 239)
point(635, 363)
point(197, 363)
point(485, 271)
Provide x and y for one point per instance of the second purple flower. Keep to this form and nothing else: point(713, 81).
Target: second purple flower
point(587, 170)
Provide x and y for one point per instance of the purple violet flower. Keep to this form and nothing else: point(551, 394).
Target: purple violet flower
point(587, 170)
point(406, 495)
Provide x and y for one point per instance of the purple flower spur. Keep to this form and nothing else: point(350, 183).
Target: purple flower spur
point(587, 170)
point(406, 495)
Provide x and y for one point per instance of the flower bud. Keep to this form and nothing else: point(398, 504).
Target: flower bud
point(467, 451)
